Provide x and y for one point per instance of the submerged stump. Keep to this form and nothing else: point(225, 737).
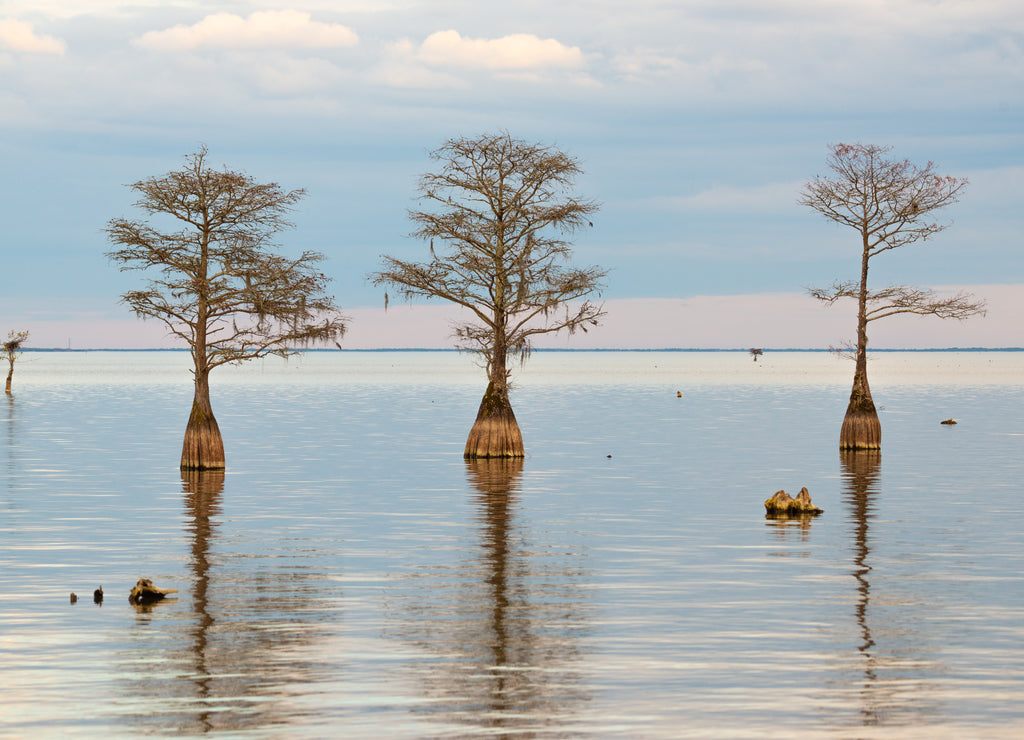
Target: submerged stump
point(781, 504)
point(146, 593)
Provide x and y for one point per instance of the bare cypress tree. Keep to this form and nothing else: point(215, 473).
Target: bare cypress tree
point(888, 203)
point(12, 350)
point(221, 287)
point(502, 211)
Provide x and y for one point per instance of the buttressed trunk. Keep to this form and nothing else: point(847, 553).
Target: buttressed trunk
point(496, 431)
point(861, 427)
point(203, 448)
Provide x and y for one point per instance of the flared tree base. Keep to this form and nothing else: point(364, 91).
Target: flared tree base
point(861, 430)
point(495, 436)
point(203, 448)
point(496, 431)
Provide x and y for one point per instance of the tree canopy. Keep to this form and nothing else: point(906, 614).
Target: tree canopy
point(498, 214)
point(12, 350)
point(221, 287)
point(889, 203)
point(220, 284)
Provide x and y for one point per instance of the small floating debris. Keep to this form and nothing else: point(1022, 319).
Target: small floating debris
point(146, 593)
point(74, 597)
point(679, 394)
point(781, 504)
point(97, 595)
point(948, 421)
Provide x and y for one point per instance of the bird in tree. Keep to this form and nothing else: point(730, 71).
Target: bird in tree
point(501, 211)
point(889, 203)
point(12, 351)
point(220, 284)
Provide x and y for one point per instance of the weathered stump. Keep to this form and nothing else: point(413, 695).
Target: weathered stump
point(781, 504)
point(146, 593)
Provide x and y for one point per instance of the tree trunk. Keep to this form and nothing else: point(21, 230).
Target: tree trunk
point(861, 428)
point(10, 374)
point(203, 448)
point(496, 431)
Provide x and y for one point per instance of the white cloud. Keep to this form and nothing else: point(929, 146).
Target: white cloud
point(17, 35)
point(400, 68)
point(271, 29)
point(516, 52)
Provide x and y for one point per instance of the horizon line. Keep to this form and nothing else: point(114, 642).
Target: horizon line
point(549, 349)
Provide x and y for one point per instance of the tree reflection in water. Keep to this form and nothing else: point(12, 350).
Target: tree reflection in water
point(251, 639)
point(860, 469)
point(502, 627)
point(891, 642)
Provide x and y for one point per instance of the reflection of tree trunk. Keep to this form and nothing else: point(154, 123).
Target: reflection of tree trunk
point(203, 448)
point(496, 431)
point(860, 472)
point(503, 624)
point(495, 481)
point(203, 491)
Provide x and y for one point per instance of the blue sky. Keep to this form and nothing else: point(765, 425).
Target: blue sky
point(696, 124)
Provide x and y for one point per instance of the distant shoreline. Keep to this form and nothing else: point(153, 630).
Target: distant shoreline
point(556, 349)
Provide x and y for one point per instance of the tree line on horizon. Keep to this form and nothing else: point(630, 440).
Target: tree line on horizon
point(497, 215)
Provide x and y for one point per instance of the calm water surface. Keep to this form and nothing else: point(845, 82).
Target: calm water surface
point(350, 575)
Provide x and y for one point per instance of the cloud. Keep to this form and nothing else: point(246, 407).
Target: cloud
point(400, 68)
point(16, 35)
point(270, 29)
point(516, 52)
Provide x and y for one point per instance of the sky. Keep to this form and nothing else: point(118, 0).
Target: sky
point(696, 123)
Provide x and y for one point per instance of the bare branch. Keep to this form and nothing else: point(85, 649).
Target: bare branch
point(222, 287)
point(898, 299)
point(12, 350)
point(888, 201)
point(503, 209)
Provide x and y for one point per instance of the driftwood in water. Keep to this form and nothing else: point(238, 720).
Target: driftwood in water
point(784, 505)
point(948, 421)
point(146, 593)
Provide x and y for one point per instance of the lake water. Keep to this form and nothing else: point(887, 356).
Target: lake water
point(350, 575)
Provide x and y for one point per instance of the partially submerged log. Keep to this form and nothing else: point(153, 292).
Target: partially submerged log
point(948, 421)
point(783, 505)
point(146, 593)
